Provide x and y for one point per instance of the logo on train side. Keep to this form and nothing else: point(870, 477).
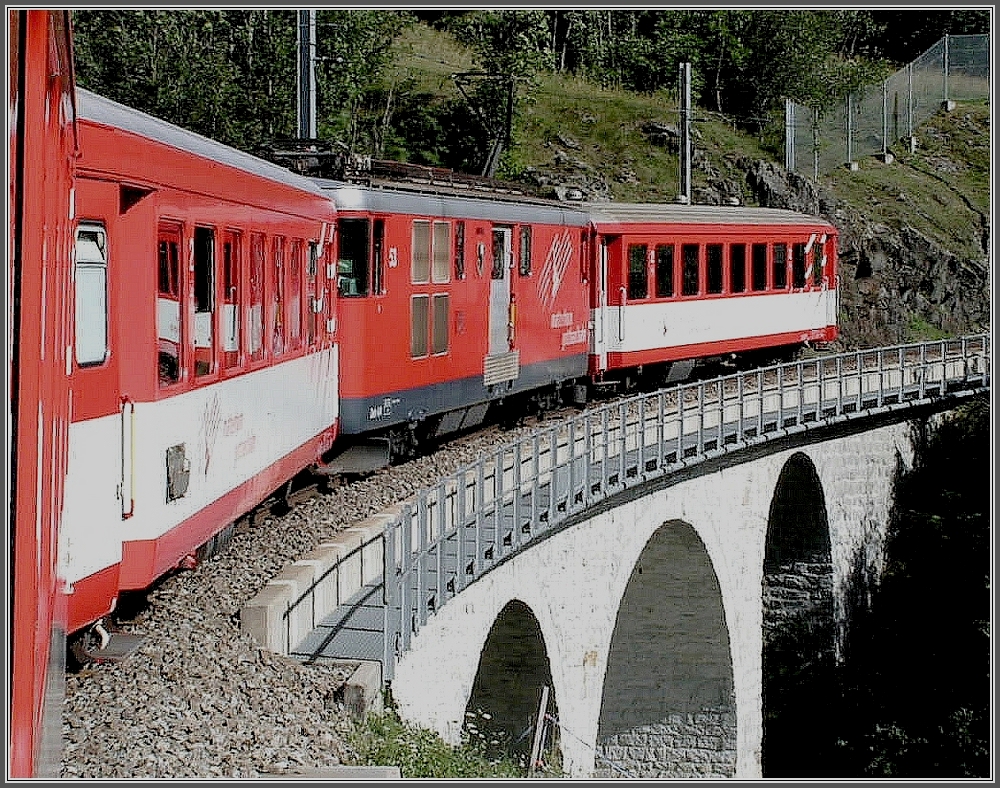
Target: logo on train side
point(382, 411)
point(551, 277)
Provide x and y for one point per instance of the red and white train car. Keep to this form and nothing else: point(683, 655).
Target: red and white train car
point(450, 303)
point(205, 364)
point(41, 157)
point(677, 283)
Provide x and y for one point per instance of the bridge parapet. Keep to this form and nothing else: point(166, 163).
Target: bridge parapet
point(437, 542)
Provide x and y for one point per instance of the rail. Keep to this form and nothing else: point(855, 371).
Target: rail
point(448, 535)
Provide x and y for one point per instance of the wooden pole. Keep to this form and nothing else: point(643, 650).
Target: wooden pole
point(536, 745)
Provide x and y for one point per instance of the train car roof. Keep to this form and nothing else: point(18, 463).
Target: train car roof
point(99, 109)
point(613, 213)
point(501, 209)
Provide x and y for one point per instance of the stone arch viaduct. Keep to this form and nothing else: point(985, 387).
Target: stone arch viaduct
point(658, 567)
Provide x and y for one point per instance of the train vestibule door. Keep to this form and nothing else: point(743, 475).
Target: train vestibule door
point(502, 361)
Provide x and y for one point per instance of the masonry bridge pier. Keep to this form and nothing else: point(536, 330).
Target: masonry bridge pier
point(659, 563)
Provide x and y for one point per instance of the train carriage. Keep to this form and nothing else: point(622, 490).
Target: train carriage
point(674, 284)
point(205, 365)
point(450, 303)
point(42, 148)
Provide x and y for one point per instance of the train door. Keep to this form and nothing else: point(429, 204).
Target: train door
point(502, 362)
point(600, 348)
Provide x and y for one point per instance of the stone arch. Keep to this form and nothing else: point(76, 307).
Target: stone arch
point(799, 683)
point(668, 707)
point(506, 693)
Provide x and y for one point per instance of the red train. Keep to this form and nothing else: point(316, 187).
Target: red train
point(41, 150)
point(236, 324)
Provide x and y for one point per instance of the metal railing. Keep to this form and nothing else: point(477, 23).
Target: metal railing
point(450, 534)
point(872, 119)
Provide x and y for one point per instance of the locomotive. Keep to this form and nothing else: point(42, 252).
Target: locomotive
point(236, 324)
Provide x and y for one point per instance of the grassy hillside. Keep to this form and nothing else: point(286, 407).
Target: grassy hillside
point(573, 128)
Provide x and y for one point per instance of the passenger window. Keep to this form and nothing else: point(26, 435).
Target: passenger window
point(737, 268)
point(525, 262)
point(758, 261)
point(713, 268)
point(311, 272)
point(420, 262)
point(664, 271)
point(798, 265)
point(690, 284)
point(204, 299)
point(231, 299)
point(293, 302)
point(442, 252)
point(818, 264)
point(378, 257)
point(499, 256)
point(256, 343)
point(460, 250)
point(418, 325)
point(638, 279)
point(439, 324)
point(91, 294)
point(780, 281)
point(352, 257)
point(278, 292)
point(168, 305)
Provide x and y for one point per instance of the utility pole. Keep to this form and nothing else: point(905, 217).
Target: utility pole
point(306, 75)
point(685, 147)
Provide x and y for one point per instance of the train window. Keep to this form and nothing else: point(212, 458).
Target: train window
point(91, 294)
point(168, 305)
point(293, 302)
point(664, 271)
point(460, 250)
point(798, 265)
point(204, 298)
point(525, 261)
point(499, 254)
point(418, 325)
point(420, 262)
point(737, 268)
point(689, 272)
point(278, 296)
point(817, 266)
point(311, 272)
point(780, 267)
point(256, 333)
point(442, 252)
point(439, 324)
point(378, 256)
point(231, 299)
point(758, 263)
point(713, 268)
point(352, 257)
point(638, 278)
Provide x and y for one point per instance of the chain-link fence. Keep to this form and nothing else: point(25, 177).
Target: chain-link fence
point(956, 68)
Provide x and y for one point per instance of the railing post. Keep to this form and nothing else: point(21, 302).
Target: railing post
point(700, 444)
point(406, 618)
point(480, 515)
point(622, 419)
point(422, 524)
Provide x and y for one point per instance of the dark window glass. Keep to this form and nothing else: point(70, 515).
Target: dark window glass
point(204, 299)
point(713, 268)
point(780, 266)
point(460, 250)
point(737, 268)
point(758, 262)
point(689, 261)
point(352, 257)
point(525, 262)
point(798, 265)
point(664, 271)
point(638, 284)
point(378, 256)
